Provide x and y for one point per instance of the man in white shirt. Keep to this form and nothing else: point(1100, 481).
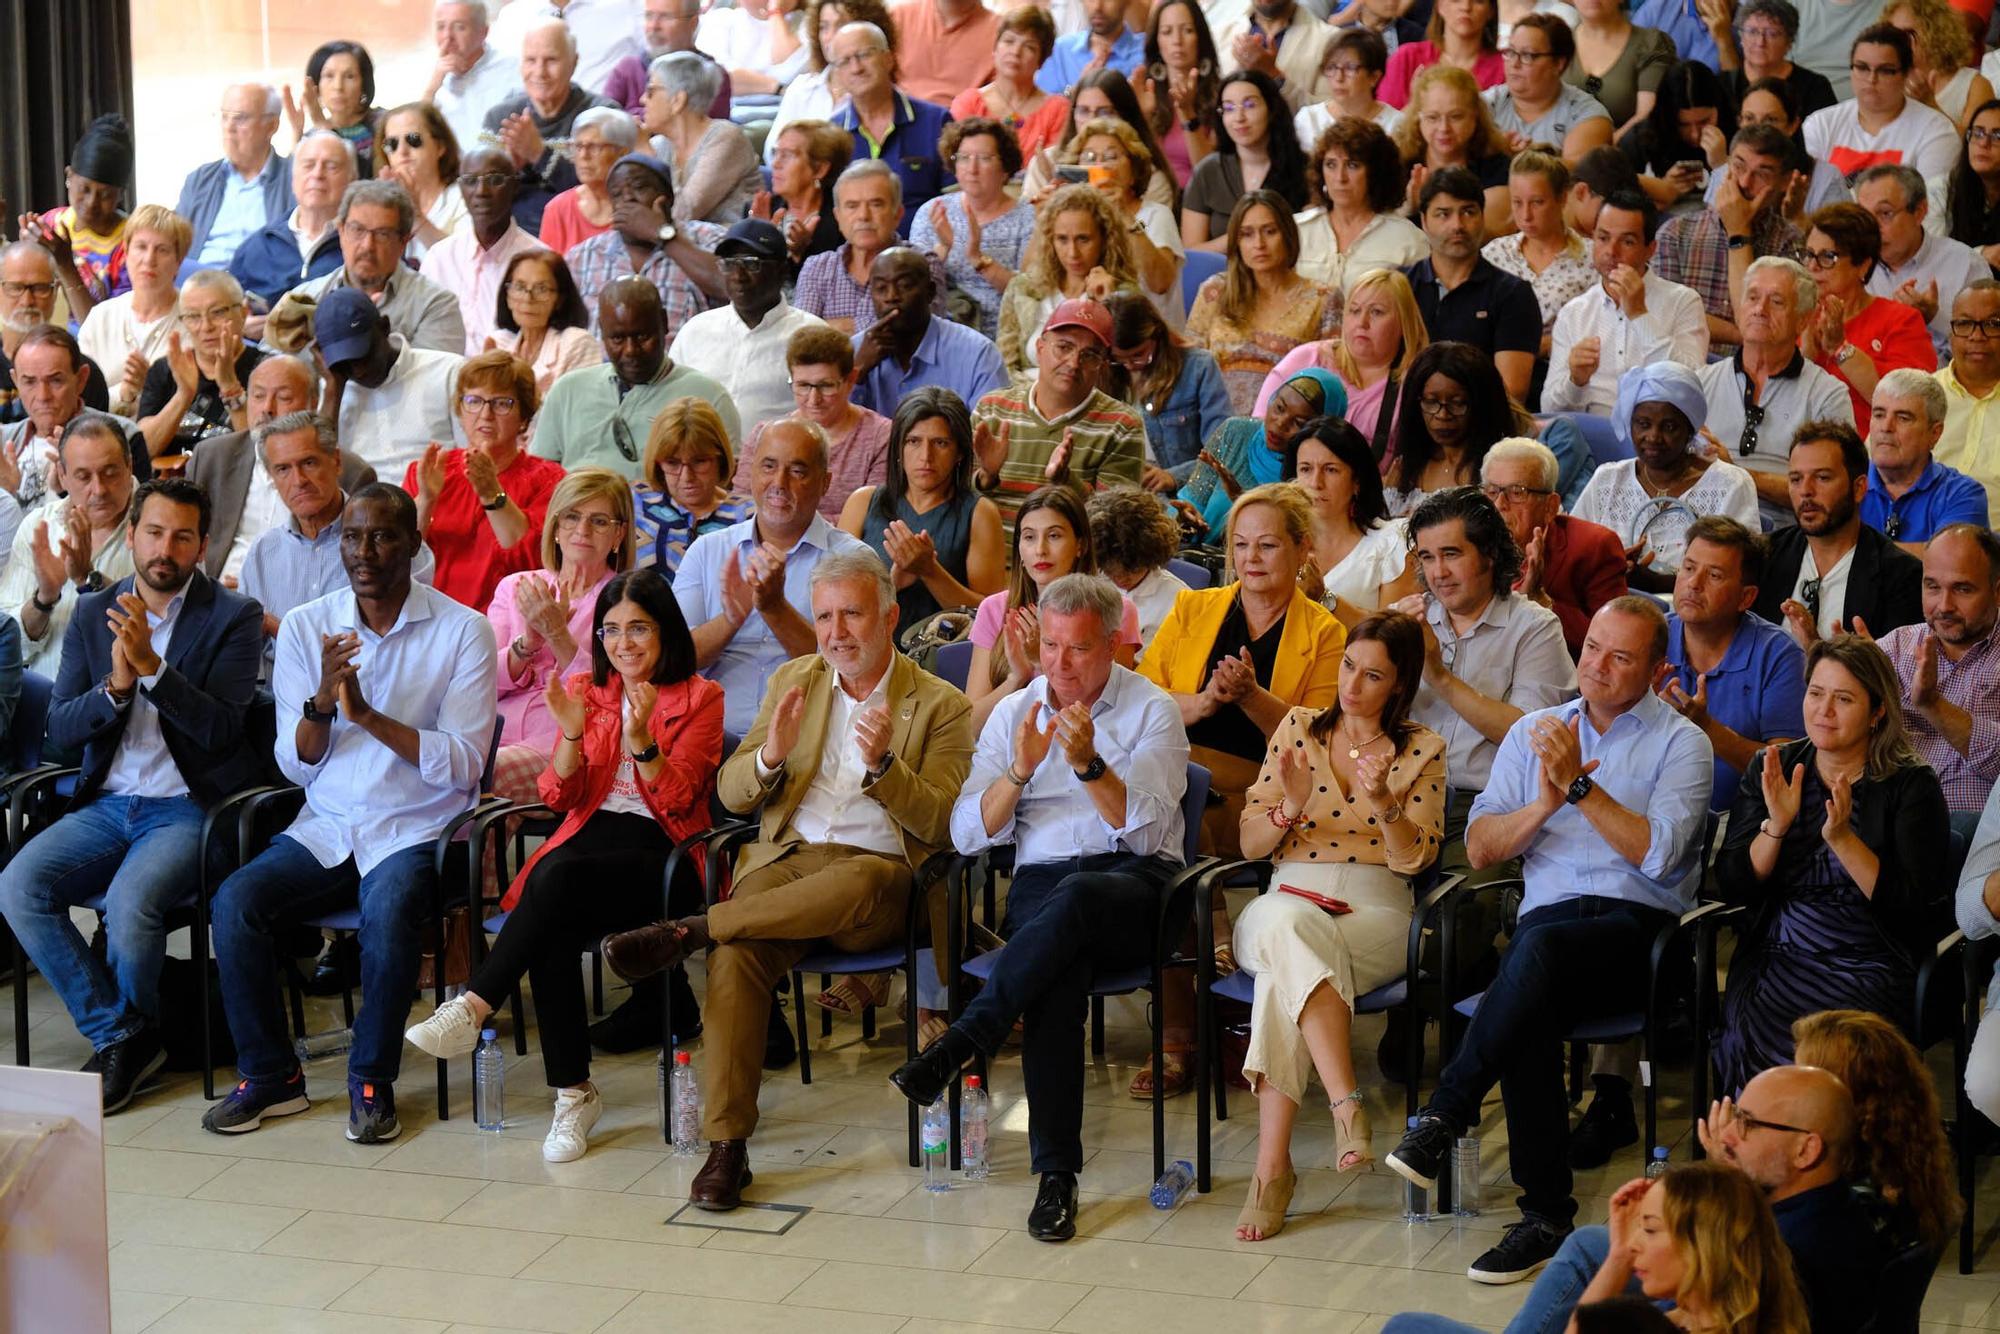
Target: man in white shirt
point(469, 262)
point(375, 223)
point(1880, 123)
point(473, 75)
point(854, 762)
point(1917, 268)
point(740, 37)
point(1971, 439)
point(385, 700)
point(1284, 40)
point(1632, 318)
point(1083, 773)
point(742, 345)
point(394, 398)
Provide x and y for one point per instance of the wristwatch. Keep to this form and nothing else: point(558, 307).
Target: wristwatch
point(1093, 771)
point(91, 583)
point(1738, 242)
point(1581, 788)
point(499, 502)
point(668, 232)
point(646, 756)
point(313, 715)
point(881, 767)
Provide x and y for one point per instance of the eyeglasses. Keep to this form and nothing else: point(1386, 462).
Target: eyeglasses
point(706, 463)
point(40, 291)
point(974, 159)
point(1515, 57)
point(532, 291)
point(474, 404)
point(355, 232)
point(815, 388)
point(1761, 32)
point(1062, 349)
point(1864, 71)
point(855, 61)
point(486, 180)
point(595, 146)
point(1820, 259)
point(1246, 106)
point(195, 319)
point(1349, 68)
point(1990, 327)
point(743, 263)
point(1746, 1123)
point(1453, 408)
point(1753, 417)
point(1516, 492)
point(621, 436)
point(392, 142)
point(597, 523)
point(639, 632)
point(1101, 157)
point(1975, 135)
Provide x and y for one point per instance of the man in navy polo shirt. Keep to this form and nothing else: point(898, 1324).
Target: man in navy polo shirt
point(1911, 496)
point(1463, 297)
point(886, 122)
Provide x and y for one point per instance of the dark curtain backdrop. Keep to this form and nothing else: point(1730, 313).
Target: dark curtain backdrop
point(62, 62)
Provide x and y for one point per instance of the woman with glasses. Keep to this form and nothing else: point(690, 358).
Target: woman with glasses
point(542, 320)
point(1079, 248)
point(685, 488)
point(808, 158)
point(1119, 167)
point(1355, 181)
point(1101, 93)
point(127, 333)
point(1454, 408)
point(1257, 153)
point(1260, 307)
point(1177, 389)
point(418, 151)
point(1617, 62)
point(715, 169)
point(339, 96)
point(1838, 849)
point(1854, 335)
point(1464, 34)
point(481, 508)
point(1762, 49)
point(978, 231)
point(1381, 334)
point(944, 543)
point(1967, 202)
point(1942, 75)
point(1248, 452)
point(1359, 562)
point(1022, 42)
point(1448, 125)
point(821, 362)
point(1355, 61)
point(1181, 84)
point(637, 739)
point(598, 138)
point(1535, 106)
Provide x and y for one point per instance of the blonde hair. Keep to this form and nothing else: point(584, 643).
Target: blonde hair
point(1294, 509)
point(1042, 268)
point(1415, 336)
point(162, 221)
point(1485, 140)
point(1128, 139)
point(1940, 32)
point(686, 421)
point(1735, 1267)
point(573, 490)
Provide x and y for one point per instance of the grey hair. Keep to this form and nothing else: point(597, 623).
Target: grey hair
point(1909, 382)
point(614, 123)
point(35, 248)
point(216, 280)
point(870, 168)
point(568, 37)
point(292, 361)
point(380, 194)
point(478, 7)
point(843, 565)
point(688, 72)
point(1520, 449)
point(346, 146)
point(1915, 193)
point(322, 429)
point(1805, 288)
point(1074, 594)
point(274, 105)
point(822, 446)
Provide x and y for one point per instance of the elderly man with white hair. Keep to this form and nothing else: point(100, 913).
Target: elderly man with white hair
point(473, 74)
point(546, 109)
point(602, 32)
point(248, 188)
point(670, 25)
point(1911, 496)
point(1570, 565)
point(887, 123)
point(1760, 395)
point(715, 169)
point(305, 242)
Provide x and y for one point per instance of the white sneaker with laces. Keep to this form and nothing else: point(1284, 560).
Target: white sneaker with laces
point(577, 1111)
point(450, 1031)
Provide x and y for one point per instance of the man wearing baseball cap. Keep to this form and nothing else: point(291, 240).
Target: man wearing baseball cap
point(1059, 425)
point(394, 398)
point(742, 345)
point(909, 346)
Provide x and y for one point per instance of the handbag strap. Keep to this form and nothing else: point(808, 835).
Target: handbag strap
point(1380, 443)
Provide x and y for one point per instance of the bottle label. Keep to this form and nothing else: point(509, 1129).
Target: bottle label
point(933, 1139)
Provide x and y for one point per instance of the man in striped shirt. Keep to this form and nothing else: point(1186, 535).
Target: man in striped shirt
point(1058, 426)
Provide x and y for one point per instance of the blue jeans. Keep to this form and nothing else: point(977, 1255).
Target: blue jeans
point(143, 855)
point(1551, 1300)
point(286, 884)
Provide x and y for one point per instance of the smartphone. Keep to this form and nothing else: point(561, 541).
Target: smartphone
point(1338, 907)
point(1073, 175)
point(1693, 165)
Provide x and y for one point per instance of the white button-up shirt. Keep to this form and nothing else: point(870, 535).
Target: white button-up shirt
point(18, 582)
point(835, 809)
point(1674, 328)
point(388, 426)
point(434, 672)
point(464, 99)
point(1140, 738)
point(143, 766)
point(748, 362)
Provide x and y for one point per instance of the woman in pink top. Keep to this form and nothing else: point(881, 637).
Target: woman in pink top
point(1465, 33)
point(1381, 333)
point(542, 318)
point(1025, 38)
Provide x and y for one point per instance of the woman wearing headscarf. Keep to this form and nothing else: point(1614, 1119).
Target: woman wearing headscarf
point(87, 238)
point(1649, 500)
point(1250, 451)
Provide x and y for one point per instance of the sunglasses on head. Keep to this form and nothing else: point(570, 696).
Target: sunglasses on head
point(415, 139)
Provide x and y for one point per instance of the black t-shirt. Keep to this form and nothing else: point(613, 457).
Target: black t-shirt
point(1813, 90)
point(205, 416)
point(1229, 729)
point(95, 392)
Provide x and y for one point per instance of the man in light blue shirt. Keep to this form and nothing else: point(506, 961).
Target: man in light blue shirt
point(248, 188)
point(1106, 43)
point(1604, 799)
point(385, 702)
point(1083, 772)
point(742, 589)
point(908, 347)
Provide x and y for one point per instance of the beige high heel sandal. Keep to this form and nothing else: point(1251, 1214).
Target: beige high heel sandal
point(1265, 1209)
point(1352, 1136)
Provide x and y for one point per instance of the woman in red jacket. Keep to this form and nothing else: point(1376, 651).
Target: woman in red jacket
point(640, 742)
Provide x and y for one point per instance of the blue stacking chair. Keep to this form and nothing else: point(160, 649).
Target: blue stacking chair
point(1199, 266)
point(1194, 576)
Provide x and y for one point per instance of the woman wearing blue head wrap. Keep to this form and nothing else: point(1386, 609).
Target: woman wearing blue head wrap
point(1246, 452)
point(1649, 500)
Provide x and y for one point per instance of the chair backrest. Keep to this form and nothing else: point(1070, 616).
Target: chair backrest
point(1193, 802)
point(492, 756)
point(953, 663)
point(1899, 1292)
point(1194, 576)
point(1605, 446)
point(1199, 266)
point(31, 722)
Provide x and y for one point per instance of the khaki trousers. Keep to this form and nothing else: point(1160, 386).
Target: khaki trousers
point(851, 898)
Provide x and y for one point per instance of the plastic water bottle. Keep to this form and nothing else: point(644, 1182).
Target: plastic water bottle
point(935, 1137)
point(1416, 1199)
point(323, 1046)
point(1173, 1185)
point(974, 1107)
point(686, 1107)
point(1465, 1177)
point(1656, 1166)
point(489, 1079)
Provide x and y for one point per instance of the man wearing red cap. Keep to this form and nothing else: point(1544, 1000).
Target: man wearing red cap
point(1058, 426)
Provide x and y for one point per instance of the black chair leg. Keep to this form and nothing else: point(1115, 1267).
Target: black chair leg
point(868, 1023)
point(825, 1015)
point(1097, 1030)
point(520, 1024)
point(799, 1017)
point(597, 984)
point(20, 1005)
point(1413, 1051)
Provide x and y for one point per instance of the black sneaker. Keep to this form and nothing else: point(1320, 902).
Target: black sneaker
point(246, 1105)
point(1526, 1247)
point(1424, 1151)
point(127, 1066)
point(1606, 1126)
point(371, 1112)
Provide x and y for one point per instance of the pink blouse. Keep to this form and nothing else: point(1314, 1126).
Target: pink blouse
point(1412, 57)
point(525, 716)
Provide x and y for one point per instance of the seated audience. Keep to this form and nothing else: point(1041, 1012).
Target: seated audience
point(1966, 202)
point(814, 91)
point(1683, 138)
point(28, 286)
point(740, 345)
point(55, 381)
point(1284, 39)
point(248, 188)
point(375, 222)
point(307, 241)
point(1105, 42)
point(472, 262)
point(1968, 443)
point(715, 168)
point(672, 257)
point(161, 744)
point(670, 25)
point(395, 399)
point(1916, 266)
point(595, 417)
point(1454, 408)
point(1183, 86)
point(1259, 308)
point(1911, 496)
point(1831, 568)
point(1258, 152)
point(1881, 123)
point(1775, 103)
point(821, 363)
point(833, 284)
point(943, 542)
point(1359, 561)
point(87, 237)
point(1134, 537)
point(684, 489)
point(1448, 125)
point(1354, 182)
point(888, 124)
point(540, 318)
point(340, 97)
point(534, 123)
point(599, 138)
point(426, 161)
point(757, 42)
point(1705, 250)
point(1649, 500)
point(1466, 39)
point(881, 748)
point(1351, 71)
point(1759, 48)
point(194, 390)
point(1381, 335)
point(1023, 38)
point(1247, 452)
point(1544, 250)
point(129, 332)
point(807, 157)
point(372, 811)
point(979, 232)
point(1177, 390)
point(1978, 904)
point(1857, 336)
point(1569, 565)
point(909, 346)
point(1462, 297)
point(1079, 249)
point(1536, 105)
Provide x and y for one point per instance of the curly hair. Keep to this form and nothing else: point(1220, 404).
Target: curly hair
point(1491, 417)
point(855, 11)
point(1734, 1264)
point(1128, 140)
point(1485, 141)
point(1365, 142)
point(1005, 144)
point(1896, 1105)
point(1940, 33)
point(1041, 267)
point(1131, 530)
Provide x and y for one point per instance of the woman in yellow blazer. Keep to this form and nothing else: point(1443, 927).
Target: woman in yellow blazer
point(1237, 659)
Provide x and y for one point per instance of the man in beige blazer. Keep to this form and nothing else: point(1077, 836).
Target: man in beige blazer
point(855, 760)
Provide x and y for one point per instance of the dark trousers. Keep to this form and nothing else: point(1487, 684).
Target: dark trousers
point(1065, 920)
point(1570, 961)
point(605, 878)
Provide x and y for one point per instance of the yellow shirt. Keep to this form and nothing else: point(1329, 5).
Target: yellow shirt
point(1971, 439)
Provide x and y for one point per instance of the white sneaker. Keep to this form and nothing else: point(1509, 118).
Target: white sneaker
point(569, 1135)
point(450, 1031)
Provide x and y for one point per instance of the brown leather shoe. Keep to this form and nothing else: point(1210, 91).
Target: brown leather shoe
point(718, 1187)
point(648, 950)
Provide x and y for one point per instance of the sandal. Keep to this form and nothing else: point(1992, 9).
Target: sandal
point(1264, 1211)
point(929, 1030)
point(1178, 1077)
point(1353, 1136)
point(854, 993)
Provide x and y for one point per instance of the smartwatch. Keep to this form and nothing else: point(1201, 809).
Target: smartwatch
point(1091, 772)
point(91, 583)
point(499, 503)
point(646, 756)
point(313, 715)
point(1581, 788)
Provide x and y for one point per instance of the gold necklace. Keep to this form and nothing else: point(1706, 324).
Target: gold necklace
point(1354, 747)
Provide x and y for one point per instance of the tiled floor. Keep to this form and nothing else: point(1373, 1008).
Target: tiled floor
point(293, 1229)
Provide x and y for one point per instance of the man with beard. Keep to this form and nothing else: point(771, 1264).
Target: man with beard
point(156, 683)
point(375, 222)
point(27, 296)
point(1832, 569)
point(742, 345)
point(1462, 296)
point(470, 261)
point(910, 346)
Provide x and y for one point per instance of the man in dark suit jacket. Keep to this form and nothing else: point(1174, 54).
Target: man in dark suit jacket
point(1831, 568)
point(157, 678)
